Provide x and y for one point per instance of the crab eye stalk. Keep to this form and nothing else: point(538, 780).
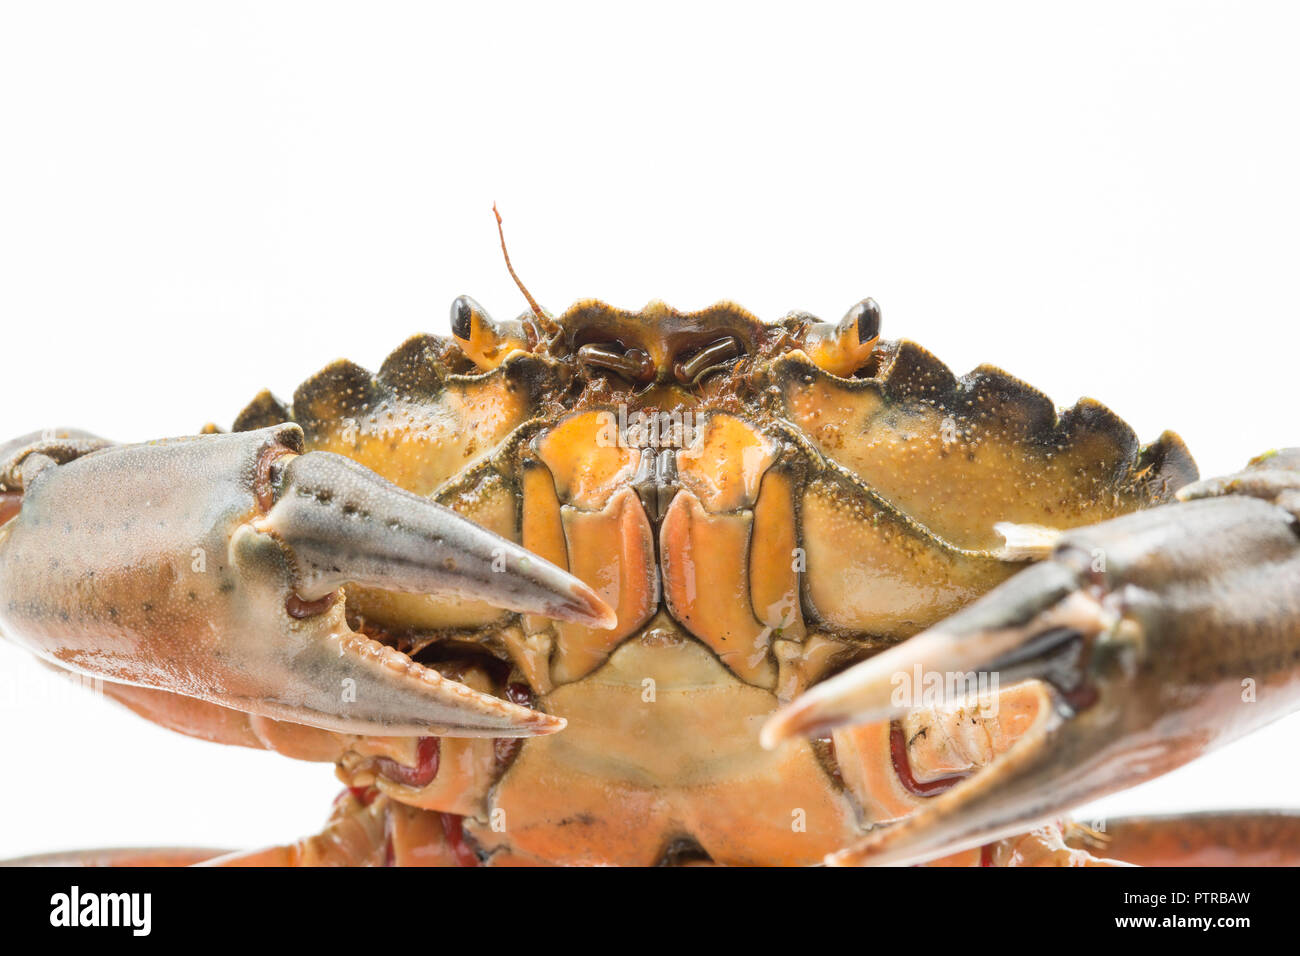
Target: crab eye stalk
point(843, 348)
point(864, 321)
point(635, 365)
point(482, 338)
point(713, 357)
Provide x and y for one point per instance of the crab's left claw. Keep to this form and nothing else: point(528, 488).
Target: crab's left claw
point(1156, 637)
point(211, 567)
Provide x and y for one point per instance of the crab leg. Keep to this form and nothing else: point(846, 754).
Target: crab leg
point(209, 567)
point(1212, 838)
point(367, 829)
point(1158, 636)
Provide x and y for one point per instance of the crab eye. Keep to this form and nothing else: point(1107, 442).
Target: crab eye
point(866, 317)
point(484, 340)
point(633, 364)
point(845, 347)
point(711, 358)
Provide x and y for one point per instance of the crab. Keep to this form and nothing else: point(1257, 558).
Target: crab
point(653, 587)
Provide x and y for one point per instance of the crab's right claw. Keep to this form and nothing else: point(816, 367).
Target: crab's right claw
point(343, 524)
point(210, 566)
point(1154, 637)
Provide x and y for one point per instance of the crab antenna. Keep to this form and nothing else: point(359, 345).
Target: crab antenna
point(544, 319)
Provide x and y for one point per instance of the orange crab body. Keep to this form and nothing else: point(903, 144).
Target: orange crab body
point(756, 526)
point(677, 524)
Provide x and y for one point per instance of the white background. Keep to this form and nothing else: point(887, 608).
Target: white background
point(197, 201)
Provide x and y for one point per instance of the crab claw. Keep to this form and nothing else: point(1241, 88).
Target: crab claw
point(346, 525)
point(208, 567)
point(1154, 637)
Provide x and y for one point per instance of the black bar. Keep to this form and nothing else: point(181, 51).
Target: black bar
point(479, 905)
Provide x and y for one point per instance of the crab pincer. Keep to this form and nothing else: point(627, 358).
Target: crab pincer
point(211, 567)
point(1154, 638)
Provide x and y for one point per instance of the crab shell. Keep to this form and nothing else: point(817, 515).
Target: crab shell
point(814, 497)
